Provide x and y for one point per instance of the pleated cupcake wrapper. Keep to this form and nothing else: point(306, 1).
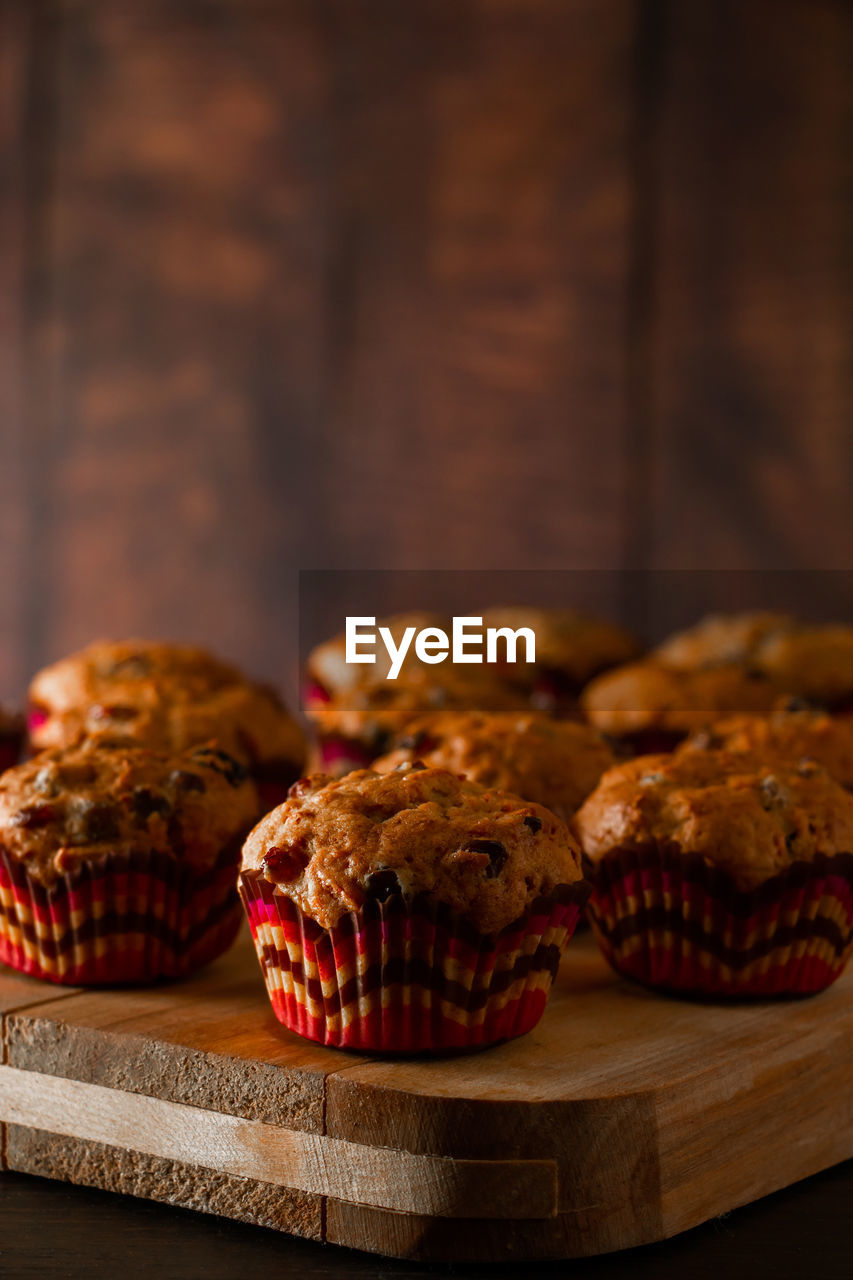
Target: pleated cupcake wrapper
point(398, 977)
point(676, 923)
point(118, 920)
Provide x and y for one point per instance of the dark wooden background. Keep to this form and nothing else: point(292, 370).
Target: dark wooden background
point(365, 283)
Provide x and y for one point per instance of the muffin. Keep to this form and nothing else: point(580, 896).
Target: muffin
point(329, 677)
point(408, 912)
point(118, 864)
point(649, 707)
point(571, 648)
point(352, 730)
point(720, 638)
point(11, 738)
point(718, 873)
point(556, 763)
point(808, 660)
point(795, 731)
point(169, 697)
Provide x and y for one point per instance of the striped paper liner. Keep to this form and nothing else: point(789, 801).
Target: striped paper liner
point(674, 922)
point(119, 919)
point(407, 977)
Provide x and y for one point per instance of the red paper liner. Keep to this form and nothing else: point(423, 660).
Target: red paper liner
point(121, 919)
point(398, 977)
point(673, 922)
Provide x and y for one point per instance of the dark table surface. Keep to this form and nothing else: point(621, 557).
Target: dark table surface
point(51, 1229)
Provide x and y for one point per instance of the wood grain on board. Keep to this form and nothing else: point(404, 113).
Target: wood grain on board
point(624, 1117)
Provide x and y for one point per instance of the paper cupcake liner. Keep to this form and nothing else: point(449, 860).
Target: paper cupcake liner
point(398, 977)
point(121, 919)
point(674, 922)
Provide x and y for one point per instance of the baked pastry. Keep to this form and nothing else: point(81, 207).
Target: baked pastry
point(352, 730)
point(11, 739)
point(720, 638)
point(795, 731)
point(721, 873)
point(170, 697)
point(328, 675)
point(556, 763)
point(650, 707)
point(412, 911)
point(808, 660)
point(571, 648)
point(118, 864)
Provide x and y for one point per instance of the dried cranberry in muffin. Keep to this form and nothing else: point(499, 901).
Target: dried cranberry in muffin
point(118, 863)
point(452, 901)
point(169, 697)
point(554, 762)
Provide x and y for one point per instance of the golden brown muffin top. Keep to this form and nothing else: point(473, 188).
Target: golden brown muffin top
point(647, 695)
point(486, 854)
point(166, 696)
point(567, 642)
point(374, 715)
point(805, 659)
point(794, 731)
point(720, 638)
point(74, 805)
point(750, 818)
point(554, 762)
point(328, 667)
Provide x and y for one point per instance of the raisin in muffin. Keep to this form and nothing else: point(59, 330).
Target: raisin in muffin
point(170, 697)
point(118, 863)
point(11, 738)
point(571, 648)
point(554, 762)
point(721, 873)
point(808, 660)
point(451, 903)
point(353, 730)
point(795, 731)
point(651, 707)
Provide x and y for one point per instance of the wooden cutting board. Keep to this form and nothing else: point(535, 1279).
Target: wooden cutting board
point(625, 1117)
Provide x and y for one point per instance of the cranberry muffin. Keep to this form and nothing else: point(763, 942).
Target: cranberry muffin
point(169, 697)
point(647, 706)
point(352, 730)
point(328, 675)
point(571, 648)
point(411, 911)
point(808, 660)
point(11, 739)
point(556, 763)
point(795, 731)
point(118, 863)
point(720, 638)
point(720, 873)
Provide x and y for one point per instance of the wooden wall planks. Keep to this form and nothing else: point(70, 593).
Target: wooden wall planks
point(460, 282)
